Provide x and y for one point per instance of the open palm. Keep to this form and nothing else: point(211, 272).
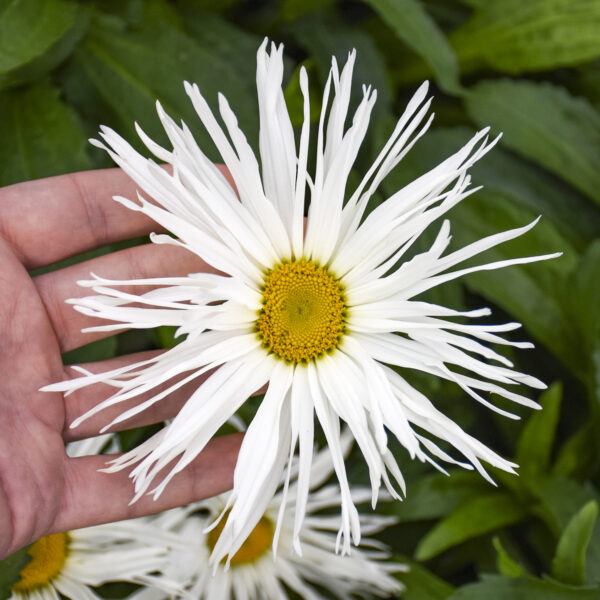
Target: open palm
point(42, 490)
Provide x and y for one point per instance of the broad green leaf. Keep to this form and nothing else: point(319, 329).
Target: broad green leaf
point(537, 438)
point(421, 584)
point(120, 74)
point(526, 588)
point(10, 571)
point(41, 136)
point(437, 495)
point(36, 35)
point(515, 36)
point(568, 565)
point(506, 564)
point(419, 31)
point(482, 514)
point(545, 123)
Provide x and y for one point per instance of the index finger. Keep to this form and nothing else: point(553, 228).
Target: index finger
point(93, 497)
point(50, 219)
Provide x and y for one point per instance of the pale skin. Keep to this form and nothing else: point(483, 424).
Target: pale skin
point(42, 491)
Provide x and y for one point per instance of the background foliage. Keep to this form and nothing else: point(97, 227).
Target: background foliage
point(529, 69)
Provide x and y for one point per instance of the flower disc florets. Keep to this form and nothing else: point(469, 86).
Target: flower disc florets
point(303, 312)
point(48, 557)
point(256, 545)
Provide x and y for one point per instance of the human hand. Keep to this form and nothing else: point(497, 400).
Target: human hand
point(43, 491)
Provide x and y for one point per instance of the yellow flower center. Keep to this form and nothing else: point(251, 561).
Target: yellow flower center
point(303, 312)
point(48, 556)
point(257, 543)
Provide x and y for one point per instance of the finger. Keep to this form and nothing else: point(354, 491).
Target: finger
point(92, 497)
point(47, 220)
point(149, 260)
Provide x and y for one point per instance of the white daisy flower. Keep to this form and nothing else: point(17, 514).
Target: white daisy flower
point(73, 562)
point(329, 319)
point(256, 571)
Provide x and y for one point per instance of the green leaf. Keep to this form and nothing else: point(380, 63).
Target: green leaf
point(568, 565)
point(324, 39)
point(580, 454)
point(509, 178)
point(117, 76)
point(500, 588)
point(560, 499)
point(537, 438)
point(585, 297)
point(515, 36)
point(507, 566)
point(483, 514)
point(419, 31)
point(294, 99)
point(206, 5)
point(36, 36)
point(531, 293)
point(421, 584)
point(545, 123)
point(293, 9)
point(41, 136)
point(437, 495)
point(165, 336)
point(10, 571)
point(92, 352)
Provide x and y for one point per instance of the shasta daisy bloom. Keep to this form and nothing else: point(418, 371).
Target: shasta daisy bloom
point(328, 319)
point(71, 563)
point(256, 571)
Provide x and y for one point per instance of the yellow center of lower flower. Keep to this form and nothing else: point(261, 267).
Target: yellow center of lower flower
point(48, 556)
point(257, 543)
point(303, 312)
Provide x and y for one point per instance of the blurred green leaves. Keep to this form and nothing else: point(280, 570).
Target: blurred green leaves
point(127, 74)
point(36, 35)
point(534, 447)
point(510, 588)
point(419, 31)
point(68, 66)
point(545, 123)
point(514, 37)
point(41, 135)
point(481, 514)
point(568, 565)
point(420, 583)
